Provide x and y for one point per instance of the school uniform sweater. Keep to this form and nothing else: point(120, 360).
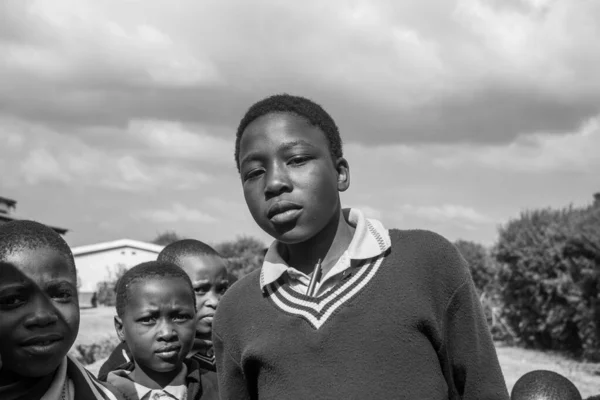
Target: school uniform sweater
point(403, 325)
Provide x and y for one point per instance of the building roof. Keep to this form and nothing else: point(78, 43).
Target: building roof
point(8, 218)
point(7, 201)
point(116, 244)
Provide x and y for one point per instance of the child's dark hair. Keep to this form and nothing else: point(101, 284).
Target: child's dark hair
point(544, 384)
point(145, 272)
point(173, 252)
point(22, 234)
point(303, 107)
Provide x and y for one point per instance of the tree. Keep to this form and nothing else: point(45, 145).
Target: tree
point(482, 266)
point(166, 238)
point(550, 278)
point(245, 254)
point(106, 294)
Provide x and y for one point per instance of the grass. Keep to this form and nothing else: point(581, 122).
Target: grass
point(97, 325)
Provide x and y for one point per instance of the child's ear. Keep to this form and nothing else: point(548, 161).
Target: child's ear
point(119, 328)
point(343, 170)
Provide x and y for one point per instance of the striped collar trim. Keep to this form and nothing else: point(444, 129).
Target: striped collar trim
point(318, 310)
point(370, 240)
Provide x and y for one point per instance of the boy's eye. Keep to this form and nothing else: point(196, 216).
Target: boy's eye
point(253, 174)
point(203, 289)
point(63, 296)
point(146, 320)
point(12, 301)
point(182, 318)
point(223, 287)
point(298, 160)
point(61, 292)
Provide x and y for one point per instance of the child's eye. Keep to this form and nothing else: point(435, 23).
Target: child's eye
point(182, 318)
point(298, 160)
point(14, 301)
point(202, 290)
point(253, 174)
point(63, 297)
point(223, 288)
point(146, 320)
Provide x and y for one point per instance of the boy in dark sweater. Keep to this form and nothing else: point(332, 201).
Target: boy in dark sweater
point(39, 318)
point(394, 314)
point(156, 316)
point(207, 270)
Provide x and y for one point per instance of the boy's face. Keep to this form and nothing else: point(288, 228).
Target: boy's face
point(158, 323)
point(290, 182)
point(210, 281)
point(39, 312)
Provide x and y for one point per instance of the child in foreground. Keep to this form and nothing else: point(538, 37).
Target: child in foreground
point(210, 279)
point(395, 314)
point(39, 318)
point(156, 309)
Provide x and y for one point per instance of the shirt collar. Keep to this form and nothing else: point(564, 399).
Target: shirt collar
point(370, 240)
point(177, 388)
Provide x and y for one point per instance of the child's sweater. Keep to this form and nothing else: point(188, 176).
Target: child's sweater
point(406, 325)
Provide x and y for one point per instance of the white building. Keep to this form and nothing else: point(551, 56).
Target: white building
point(100, 262)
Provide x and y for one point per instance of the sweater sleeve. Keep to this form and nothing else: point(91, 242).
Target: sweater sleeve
point(232, 385)
point(469, 356)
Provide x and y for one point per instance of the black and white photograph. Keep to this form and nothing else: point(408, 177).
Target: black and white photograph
point(256, 200)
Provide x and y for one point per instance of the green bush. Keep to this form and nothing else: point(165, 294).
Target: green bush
point(543, 279)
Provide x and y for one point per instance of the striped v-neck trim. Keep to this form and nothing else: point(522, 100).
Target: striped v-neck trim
point(317, 310)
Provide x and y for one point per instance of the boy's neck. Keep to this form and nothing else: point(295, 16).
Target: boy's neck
point(153, 379)
point(328, 246)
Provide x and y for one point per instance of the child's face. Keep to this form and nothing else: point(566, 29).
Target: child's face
point(210, 281)
point(158, 323)
point(39, 312)
point(290, 182)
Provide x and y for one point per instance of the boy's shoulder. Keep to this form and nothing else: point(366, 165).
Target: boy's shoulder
point(243, 293)
point(423, 243)
point(87, 386)
point(249, 282)
point(429, 254)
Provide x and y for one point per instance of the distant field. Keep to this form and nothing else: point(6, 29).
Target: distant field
point(97, 324)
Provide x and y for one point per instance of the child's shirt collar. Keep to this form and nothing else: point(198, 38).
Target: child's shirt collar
point(370, 240)
point(177, 389)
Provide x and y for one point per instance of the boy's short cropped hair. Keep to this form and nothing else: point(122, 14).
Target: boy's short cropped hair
point(301, 106)
point(144, 272)
point(173, 252)
point(23, 234)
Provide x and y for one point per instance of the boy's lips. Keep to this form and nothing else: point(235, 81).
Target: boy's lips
point(168, 352)
point(283, 212)
point(42, 344)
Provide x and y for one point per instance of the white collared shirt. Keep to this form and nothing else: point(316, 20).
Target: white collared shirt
point(369, 236)
point(177, 389)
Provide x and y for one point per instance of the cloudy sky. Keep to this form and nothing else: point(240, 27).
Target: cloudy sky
point(117, 118)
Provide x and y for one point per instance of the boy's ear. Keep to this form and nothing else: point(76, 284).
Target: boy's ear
point(343, 170)
point(119, 328)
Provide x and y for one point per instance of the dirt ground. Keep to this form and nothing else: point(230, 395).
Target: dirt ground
point(97, 324)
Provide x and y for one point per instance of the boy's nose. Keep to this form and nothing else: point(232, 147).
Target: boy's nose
point(42, 317)
point(167, 332)
point(277, 182)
